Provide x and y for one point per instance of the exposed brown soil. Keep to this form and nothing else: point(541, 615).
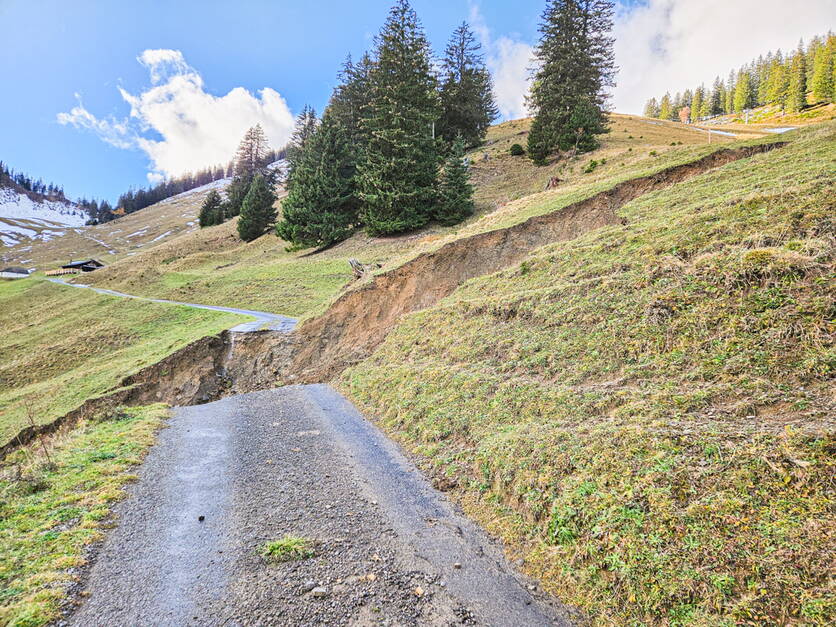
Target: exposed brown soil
point(361, 318)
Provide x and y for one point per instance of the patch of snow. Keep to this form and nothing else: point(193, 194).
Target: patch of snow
point(139, 232)
point(159, 237)
point(20, 206)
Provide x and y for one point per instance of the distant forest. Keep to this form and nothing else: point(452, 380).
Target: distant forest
point(790, 81)
point(134, 200)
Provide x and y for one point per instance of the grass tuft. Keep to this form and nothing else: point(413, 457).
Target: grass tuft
point(288, 549)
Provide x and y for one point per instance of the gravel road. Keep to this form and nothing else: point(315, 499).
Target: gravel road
point(264, 321)
point(389, 549)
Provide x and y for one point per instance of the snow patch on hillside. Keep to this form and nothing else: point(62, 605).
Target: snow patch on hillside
point(23, 218)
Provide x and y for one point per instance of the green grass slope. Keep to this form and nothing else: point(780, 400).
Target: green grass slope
point(212, 266)
point(646, 413)
point(60, 346)
point(58, 505)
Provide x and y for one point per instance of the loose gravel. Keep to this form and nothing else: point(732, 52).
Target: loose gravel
point(388, 549)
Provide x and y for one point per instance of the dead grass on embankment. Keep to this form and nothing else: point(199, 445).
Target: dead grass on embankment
point(646, 413)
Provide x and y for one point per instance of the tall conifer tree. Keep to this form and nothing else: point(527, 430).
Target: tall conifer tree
point(321, 206)
point(399, 174)
point(467, 100)
point(797, 91)
point(822, 83)
point(257, 212)
point(575, 65)
point(211, 212)
point(456, 193)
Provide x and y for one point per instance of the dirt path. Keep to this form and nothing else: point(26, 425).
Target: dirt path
point(264, 321)
point(390, 550)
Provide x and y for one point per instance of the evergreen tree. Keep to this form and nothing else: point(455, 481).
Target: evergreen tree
point(822, 83)
point(467, 100)
point(778, 82)
point(456, 193)
point(257, 212)
point(697, 103)
point(575, 65)
point(797, 91)
point(349, 103)
point(743, 92)
point(666, 108)
point(764, 64)
point(399, 174)
point(306, 123)
point(731, 86)
point(252, 153)
point(717, 97)
point(651, 109)
point(211, 212)
point(321, 206)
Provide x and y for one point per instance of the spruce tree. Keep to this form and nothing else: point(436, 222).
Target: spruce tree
point(257, 212)
point(822, 83)
point(797, 91)
point(666, 108)
point(321, 206)
point(467, 100)
point(456, 192)
point(252, 152)
point(211, 212)
point(575, 65)
point(306, 123)
point(350, 101)
point(696, 103)
point(717, 97)
point(398, 176)
point(778, 83)
point(743, 92)
point(651, 109)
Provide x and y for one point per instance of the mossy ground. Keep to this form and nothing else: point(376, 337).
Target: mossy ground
point(645, 413)
point(52, 506)
point(60, 346)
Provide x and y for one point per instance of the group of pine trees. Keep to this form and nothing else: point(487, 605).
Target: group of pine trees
point(388, 154)
point(250, 194)
point(783, 80)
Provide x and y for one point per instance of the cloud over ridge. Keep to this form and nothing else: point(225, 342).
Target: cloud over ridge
point(178, 124)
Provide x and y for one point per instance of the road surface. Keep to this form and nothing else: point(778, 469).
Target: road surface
point(300, 460)
point(263, 320)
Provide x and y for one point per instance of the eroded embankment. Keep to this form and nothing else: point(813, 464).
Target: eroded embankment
point(361, 318)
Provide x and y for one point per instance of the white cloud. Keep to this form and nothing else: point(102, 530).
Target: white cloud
point(195, 129)
point(508, 60)
point(666, 45)
point(677, 44)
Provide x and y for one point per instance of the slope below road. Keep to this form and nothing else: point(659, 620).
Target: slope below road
point(301, 461)
point(263, 321)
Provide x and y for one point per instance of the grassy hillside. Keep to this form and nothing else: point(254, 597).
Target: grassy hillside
point(645, 413)
point(60, 345)
point(213, 266)
point(59, 505)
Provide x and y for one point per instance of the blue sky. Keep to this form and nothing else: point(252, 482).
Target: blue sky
point(54, 50)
